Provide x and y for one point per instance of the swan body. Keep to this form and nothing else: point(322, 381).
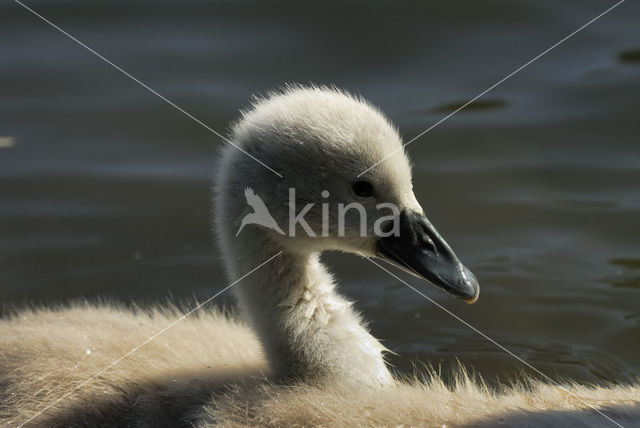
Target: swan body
point(210, 370)
point(298, 353)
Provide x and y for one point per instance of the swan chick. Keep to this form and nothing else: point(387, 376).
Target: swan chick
point(297, 353)
point(320, 141)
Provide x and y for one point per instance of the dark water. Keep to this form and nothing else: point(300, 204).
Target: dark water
point(104, 190)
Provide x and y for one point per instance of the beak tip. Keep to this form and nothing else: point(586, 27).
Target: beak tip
point(472, 300)
point(473, 283)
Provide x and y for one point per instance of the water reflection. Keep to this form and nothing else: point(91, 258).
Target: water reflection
point(627, 274)
point(480, 104)
point(630, 56)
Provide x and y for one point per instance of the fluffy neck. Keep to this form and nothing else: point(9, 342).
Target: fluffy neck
point(308, 330)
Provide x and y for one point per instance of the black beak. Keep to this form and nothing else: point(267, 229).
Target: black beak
point(419, 249)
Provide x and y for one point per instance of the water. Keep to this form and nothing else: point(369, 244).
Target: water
point(105, 189)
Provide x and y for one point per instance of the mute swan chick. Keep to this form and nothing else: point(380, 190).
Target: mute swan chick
point(312, 359)
point(320, 141)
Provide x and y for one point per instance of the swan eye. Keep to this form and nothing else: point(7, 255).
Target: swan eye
point(363, 188)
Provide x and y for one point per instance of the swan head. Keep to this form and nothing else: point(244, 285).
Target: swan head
point(315, 148)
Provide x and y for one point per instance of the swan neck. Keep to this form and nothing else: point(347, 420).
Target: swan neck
point(307, 328)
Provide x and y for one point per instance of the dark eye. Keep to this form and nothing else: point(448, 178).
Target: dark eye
point(363, 188)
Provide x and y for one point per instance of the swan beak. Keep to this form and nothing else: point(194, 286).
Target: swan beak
point(419, 249)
